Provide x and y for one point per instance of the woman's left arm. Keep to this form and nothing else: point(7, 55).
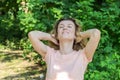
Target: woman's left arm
point(94, 37)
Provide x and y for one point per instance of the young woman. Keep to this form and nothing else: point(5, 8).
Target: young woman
point(71, 57)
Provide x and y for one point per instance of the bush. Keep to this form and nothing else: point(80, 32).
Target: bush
point(42, 14)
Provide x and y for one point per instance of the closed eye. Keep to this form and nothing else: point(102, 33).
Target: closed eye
point(60, 26)
point(69, 26)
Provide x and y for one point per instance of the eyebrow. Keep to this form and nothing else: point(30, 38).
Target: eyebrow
point(61, 24)
point(70, 24)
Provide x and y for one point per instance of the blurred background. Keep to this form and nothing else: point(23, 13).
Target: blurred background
point(19, 61)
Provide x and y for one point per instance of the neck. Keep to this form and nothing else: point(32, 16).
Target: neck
point(66, 47)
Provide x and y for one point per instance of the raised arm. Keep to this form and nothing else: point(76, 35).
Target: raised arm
point(36, 37)
point(94, 37)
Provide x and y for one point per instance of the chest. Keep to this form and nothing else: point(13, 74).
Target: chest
point(66, 65)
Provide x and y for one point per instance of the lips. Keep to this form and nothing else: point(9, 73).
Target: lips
point(65, 31)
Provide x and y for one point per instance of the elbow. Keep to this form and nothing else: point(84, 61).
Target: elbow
point(96, 33)
point(31, 33)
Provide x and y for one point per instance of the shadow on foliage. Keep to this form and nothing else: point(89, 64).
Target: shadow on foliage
point(29, 75)
point(8, 57)
point(23, 76)
point(31, 72)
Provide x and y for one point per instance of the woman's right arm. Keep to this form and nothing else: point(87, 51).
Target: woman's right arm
point(36, 37)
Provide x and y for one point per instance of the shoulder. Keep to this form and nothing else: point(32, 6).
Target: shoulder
point(49, 53)
point(50, 50)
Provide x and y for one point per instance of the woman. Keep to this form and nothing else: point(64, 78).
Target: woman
point(71, 58)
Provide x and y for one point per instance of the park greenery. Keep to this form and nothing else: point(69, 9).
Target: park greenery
point(18, 17)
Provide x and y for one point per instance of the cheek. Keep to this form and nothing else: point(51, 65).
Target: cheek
point(72, 34)
point(73, 31)
point(58, 33)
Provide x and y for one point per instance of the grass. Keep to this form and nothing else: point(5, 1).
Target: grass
point(14, 67)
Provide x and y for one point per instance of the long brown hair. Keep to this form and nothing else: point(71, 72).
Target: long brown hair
point(79, 43)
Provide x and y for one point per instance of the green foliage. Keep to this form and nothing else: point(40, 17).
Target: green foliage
point(26, 15)
point(106, 68)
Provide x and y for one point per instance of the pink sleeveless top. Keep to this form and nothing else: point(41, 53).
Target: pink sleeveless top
point(71, 66)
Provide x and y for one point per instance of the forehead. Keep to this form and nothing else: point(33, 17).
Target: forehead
point(67, 22)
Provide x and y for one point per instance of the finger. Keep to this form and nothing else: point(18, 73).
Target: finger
point(53, 35)
point(55, 42)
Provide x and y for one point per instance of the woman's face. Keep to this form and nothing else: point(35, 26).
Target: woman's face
point(66, 30)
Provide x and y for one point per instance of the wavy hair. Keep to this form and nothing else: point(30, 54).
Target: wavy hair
point(79, 43)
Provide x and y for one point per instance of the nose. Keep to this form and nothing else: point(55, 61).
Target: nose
point(65, 28)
